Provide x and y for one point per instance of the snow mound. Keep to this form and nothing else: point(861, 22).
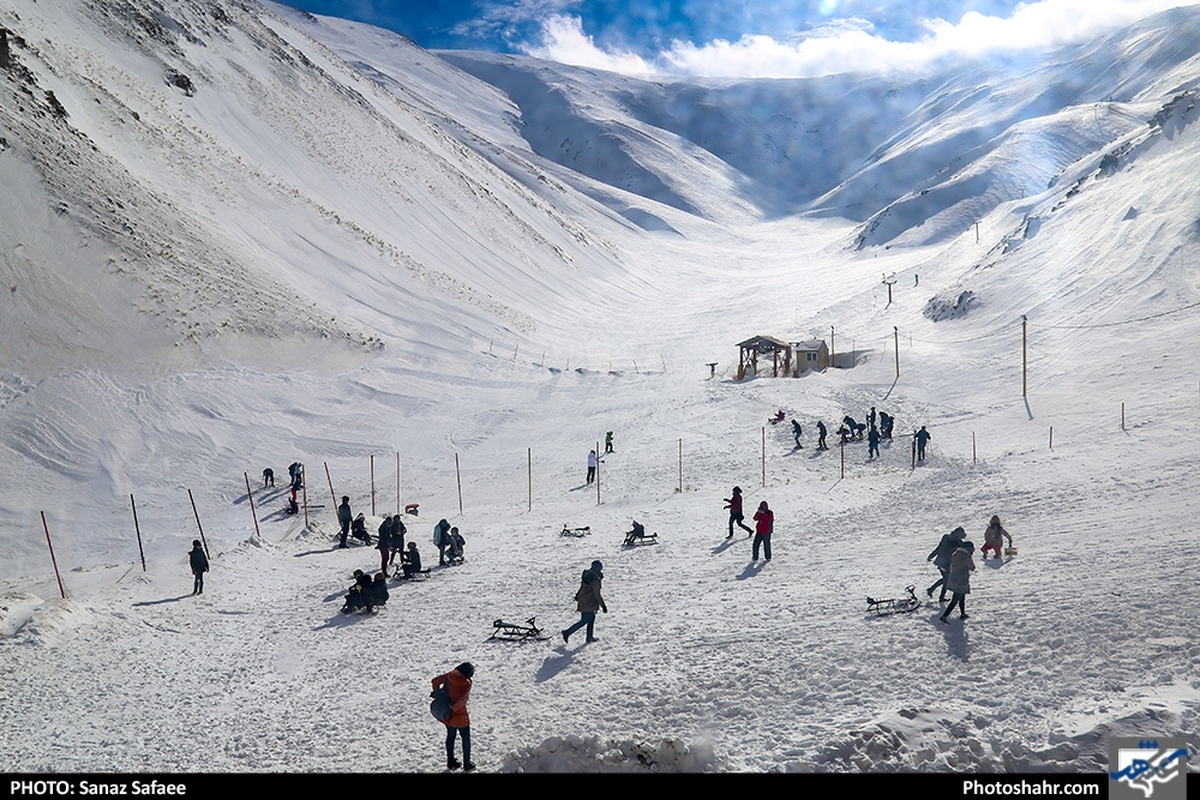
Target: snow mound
point(28, 619)
point(952, 306)
point(593, 754)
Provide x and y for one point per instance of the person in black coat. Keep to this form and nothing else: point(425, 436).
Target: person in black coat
point(410, 560)
point(199, 563)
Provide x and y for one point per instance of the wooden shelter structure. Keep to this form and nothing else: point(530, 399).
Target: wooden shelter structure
point(779, 351)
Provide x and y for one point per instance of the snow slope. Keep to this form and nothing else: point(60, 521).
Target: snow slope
point(238, 236)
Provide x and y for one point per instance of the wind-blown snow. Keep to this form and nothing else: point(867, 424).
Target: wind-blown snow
point(234, 236)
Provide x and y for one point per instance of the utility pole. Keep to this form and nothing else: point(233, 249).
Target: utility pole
point(1024, 365)
point(896, 336)
point(888, 280)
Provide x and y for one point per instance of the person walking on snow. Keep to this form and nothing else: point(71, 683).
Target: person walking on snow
point(199, 563)
point(958, 581)
point(992, 537)
point(764, 525)
point(821, 436)
point(458, 685)
point(873, 443)
point(796, 432)
point(940, 556)
point(734, 504)
point(588, 600)
point(922, 438)
point(345, 516)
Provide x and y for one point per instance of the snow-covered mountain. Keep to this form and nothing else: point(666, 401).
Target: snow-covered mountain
point(235, 235)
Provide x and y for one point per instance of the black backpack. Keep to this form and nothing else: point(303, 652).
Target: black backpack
point(440, 706)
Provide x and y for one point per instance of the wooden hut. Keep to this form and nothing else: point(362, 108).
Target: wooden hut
point(813, 354)
point(780, 353)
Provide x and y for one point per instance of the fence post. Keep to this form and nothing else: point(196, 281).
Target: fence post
point(138, 531)
point(53, 561)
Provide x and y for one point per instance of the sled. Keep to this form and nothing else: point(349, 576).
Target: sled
point(514, 632)
point(632, 540)
point(578, 533)
point(1010, 551)
point(894, 605)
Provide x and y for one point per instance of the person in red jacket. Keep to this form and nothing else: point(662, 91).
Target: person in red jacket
point(764, 524)
point(734, 504)
point(458, 684)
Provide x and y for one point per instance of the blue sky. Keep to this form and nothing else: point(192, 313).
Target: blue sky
point(778, 38)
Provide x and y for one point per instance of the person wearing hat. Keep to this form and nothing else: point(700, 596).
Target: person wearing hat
point(345, 515)
point(589, 601)
point(734, 504)
point(940, 556)
point(199, 563)
point(458, 685)
point(764, 525)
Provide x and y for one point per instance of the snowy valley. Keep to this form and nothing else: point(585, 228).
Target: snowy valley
point(234, 235)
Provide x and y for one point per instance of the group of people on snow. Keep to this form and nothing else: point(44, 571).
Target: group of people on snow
point(876, 429)
point(952, 557)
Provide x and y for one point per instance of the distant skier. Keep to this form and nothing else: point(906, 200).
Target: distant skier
point(734, 504)
point(345, 517)
point(821, 436)
point(796, 431)
point(199, 562)
point(922, 437)
point(764, 526)
point(588, 600)
point(268, 478)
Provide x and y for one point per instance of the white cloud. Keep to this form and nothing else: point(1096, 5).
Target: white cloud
point(851, 46)
point(564, 41)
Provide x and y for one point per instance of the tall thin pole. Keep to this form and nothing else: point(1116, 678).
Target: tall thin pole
point(332, 496)
point(398, 506)
point(842, 448)
point(304, 494)
point(681, 465)
point(896, 336)
point(764, 456)
point(529, 470)
point(974, 460)
point(598, 462)
point(1122, 415)
point(196, 514)
point(253, 513)
point(53, 561)
point(138, 531)
point(832, 349)
point(1024, 363)
point(372, 484)
point(458, 477)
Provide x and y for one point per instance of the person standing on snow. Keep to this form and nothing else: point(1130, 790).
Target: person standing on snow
point(589, 601)
point(922, 438)
point(940, 556)
point(821, 436)
point(873, 443)
point(442, 540)
point(764, 526)
point(199, 563)
point(345, 517)
point(608, 442)
point(593, 460)
point(458, 685)
point(958, 581)
point(734, 504)
point(796, 432)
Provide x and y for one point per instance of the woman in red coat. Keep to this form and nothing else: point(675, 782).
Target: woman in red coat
point(458, 684)
point(764, 524)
